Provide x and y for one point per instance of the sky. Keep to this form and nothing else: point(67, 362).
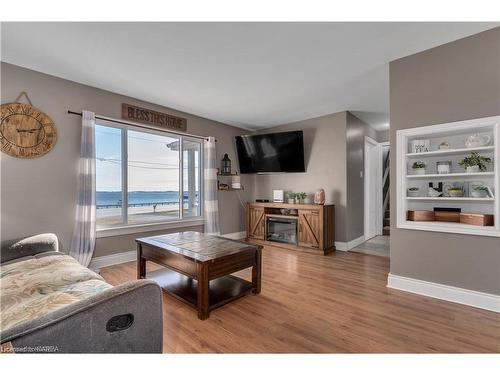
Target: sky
point(152, 165)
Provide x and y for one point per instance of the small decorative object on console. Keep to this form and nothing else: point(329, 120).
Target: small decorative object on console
point(291, 197)
point(278, 196)
point(319, 197)
point(301, 197)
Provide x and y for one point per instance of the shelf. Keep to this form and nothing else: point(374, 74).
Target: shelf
point(228, 174)
point(456, 151)
point(452, 199)
point(293, 217)
point(230, 189)
point(221, 290)
point(451, 175)
point(441, 226)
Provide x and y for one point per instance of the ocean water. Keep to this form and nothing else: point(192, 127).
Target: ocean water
point(107, 198)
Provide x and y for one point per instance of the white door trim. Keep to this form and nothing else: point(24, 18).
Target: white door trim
point(372, 187)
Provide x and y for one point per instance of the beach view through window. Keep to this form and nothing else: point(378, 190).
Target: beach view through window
point(150, 171)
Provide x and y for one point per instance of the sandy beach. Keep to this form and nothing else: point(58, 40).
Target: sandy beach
point(138, 215)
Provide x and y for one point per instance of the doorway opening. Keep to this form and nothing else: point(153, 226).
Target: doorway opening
point(376, 198)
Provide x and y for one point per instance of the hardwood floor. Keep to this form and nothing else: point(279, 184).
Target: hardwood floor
point(324, 304)
point(378, 245)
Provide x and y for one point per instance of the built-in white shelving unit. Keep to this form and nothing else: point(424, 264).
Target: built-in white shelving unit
point(451, 175)
point(457, 151)
point(452, 199)
point(455, 135)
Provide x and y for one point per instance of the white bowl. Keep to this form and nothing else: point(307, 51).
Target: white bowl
point(413, 193)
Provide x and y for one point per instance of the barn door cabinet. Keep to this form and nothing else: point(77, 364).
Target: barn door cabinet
point(256, 222)
point(314, 230)
point(309, 228)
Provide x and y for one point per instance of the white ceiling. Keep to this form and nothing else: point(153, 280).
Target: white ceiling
point(251, 75)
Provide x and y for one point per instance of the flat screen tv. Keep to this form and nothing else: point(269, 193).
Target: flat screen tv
point(274, 152)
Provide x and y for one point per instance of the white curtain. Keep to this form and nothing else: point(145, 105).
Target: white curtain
point(83, 241)
point(210, 183)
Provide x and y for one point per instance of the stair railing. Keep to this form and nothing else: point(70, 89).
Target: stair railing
point(384, 181)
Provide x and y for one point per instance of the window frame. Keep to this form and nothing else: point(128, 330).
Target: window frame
point(125, 227)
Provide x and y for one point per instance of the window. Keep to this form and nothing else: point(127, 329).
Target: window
point(139, 176)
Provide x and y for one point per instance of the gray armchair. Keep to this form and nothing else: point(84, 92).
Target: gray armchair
point(123, 319)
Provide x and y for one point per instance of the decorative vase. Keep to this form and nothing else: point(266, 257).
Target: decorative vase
point(319, 197)
point(473, 169)
point(291, 201)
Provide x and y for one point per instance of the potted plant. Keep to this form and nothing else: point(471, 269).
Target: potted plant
point(474, 163)
point(479, 192)
point(301, 196)
point(418, 167)
point(291, 197)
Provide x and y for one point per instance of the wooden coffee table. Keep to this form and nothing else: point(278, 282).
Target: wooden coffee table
point(197, 268)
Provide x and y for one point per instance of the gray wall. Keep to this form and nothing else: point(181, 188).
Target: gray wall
point(334, 155)
point(452, 82)
point(38, 195)
point(383, 135)
point(356, 131)
point(325, 158)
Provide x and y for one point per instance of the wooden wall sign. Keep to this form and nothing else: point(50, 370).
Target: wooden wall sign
point(147, 116)
point(25, 131)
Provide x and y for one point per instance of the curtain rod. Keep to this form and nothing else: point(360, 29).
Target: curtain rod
point(131, 123)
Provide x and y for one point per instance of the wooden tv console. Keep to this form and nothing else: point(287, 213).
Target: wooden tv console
point(315, 225)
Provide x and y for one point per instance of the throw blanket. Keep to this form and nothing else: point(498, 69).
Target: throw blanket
point(35, 287)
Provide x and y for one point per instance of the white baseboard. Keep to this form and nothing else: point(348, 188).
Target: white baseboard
point(235, 235)
point(346, 246)
point(109, 260)
point(445, 292)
